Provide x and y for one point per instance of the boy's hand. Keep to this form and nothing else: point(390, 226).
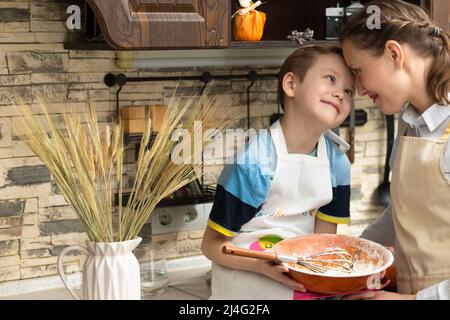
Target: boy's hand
point(278, 273)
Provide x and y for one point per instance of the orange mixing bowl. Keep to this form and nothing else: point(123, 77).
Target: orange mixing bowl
point(374, 257)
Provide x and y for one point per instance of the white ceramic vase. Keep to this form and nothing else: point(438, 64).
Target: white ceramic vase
point(111, 271)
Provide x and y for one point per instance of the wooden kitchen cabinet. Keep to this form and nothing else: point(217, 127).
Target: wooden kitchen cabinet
point(143, 24)
point(190, 24)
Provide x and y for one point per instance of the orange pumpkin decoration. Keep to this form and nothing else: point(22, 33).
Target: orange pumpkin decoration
point(249, 26)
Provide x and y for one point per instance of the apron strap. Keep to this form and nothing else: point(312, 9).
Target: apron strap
point(278, 138)
point(322, 149)
point(280, 144)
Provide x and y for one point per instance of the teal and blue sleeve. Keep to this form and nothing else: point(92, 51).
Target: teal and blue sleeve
point(338, 210)
point(242, 187)
point(240, 192)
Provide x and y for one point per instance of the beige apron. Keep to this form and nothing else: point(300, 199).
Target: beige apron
point(421, 214)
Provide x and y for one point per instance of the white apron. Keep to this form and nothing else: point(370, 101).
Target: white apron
point(301, 184)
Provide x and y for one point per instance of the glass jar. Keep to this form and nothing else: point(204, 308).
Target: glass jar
point(154, 278)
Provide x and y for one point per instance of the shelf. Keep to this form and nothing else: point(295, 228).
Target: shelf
point(262, 44)
point(207, 196)
point(272, 44)
point(135, 138)
point(88, 46)
point(233, 45)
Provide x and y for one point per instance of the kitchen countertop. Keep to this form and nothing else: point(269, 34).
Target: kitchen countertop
point(183, 285)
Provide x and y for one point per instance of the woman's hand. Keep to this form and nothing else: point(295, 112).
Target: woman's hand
point(379, 295)
point(278, 273)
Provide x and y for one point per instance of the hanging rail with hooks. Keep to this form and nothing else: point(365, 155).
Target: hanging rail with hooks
point(206, 77)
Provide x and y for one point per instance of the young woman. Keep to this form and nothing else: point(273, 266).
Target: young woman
point(404, 67)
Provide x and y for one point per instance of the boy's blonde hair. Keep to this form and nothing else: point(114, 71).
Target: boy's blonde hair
point(300, 61)
point(405, 23)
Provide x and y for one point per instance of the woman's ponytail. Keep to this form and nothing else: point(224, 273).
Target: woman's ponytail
point(438, 84)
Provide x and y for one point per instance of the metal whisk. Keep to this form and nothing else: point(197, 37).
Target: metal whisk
point(333, 259)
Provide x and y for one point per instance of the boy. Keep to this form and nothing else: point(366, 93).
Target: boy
point(296, 182)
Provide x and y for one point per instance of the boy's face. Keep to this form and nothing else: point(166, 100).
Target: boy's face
point(325, 94)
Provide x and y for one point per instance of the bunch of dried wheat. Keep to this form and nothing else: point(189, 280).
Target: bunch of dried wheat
point(87, 162)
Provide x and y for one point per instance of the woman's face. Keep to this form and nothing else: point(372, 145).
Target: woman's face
point(377, 77)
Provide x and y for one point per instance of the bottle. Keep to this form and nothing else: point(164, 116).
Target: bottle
point(352, 8)
point(334, 21)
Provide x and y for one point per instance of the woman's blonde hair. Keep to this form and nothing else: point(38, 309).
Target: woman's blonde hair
point(405, 23)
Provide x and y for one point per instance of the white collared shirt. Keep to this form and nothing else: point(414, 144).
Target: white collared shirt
point(430, 124)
